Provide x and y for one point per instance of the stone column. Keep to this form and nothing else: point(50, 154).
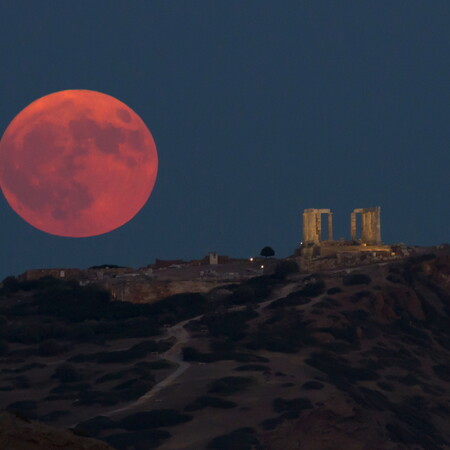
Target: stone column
point(371, 229)
point(366, 235)
point(319, 226)
point(330, 226)
point(353, 226)
point(377, 225)
point(310, 226)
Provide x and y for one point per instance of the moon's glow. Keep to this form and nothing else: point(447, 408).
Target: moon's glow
point(77, 163)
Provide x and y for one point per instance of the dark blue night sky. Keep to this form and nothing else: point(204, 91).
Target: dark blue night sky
point(259, 109)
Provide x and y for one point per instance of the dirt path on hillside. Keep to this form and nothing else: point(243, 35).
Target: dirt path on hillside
point(283, 292)
point(174, 355)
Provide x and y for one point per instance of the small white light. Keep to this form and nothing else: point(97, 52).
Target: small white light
point(251, 259)
point(262, 267)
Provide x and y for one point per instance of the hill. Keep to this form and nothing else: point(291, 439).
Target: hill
point(354, 359)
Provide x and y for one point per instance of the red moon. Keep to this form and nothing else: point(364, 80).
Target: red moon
point(77, 163)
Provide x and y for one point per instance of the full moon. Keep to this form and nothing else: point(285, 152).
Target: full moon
point(77, 163)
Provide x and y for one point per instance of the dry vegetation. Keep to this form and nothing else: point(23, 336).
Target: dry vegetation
point(348, 358)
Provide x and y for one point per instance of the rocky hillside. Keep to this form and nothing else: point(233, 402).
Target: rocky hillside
point(354, 359)
point(19, 433)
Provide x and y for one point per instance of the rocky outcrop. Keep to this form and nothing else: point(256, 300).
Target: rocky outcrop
point(393, 302)
point(438, 269)
point(23, 434)
point(150, 291)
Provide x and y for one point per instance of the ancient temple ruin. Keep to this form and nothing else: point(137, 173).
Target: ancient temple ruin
point(370, 225)
point(315, 244)
point(312, 225)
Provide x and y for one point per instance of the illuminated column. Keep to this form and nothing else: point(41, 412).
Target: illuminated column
point(371, 227)
point(377, 224)
point(353, 226)
point(310, 226)
point(319, 226)
point(365, 227)
point(330, 226)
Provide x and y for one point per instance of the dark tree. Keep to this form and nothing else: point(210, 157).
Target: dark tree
point(267, 251)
